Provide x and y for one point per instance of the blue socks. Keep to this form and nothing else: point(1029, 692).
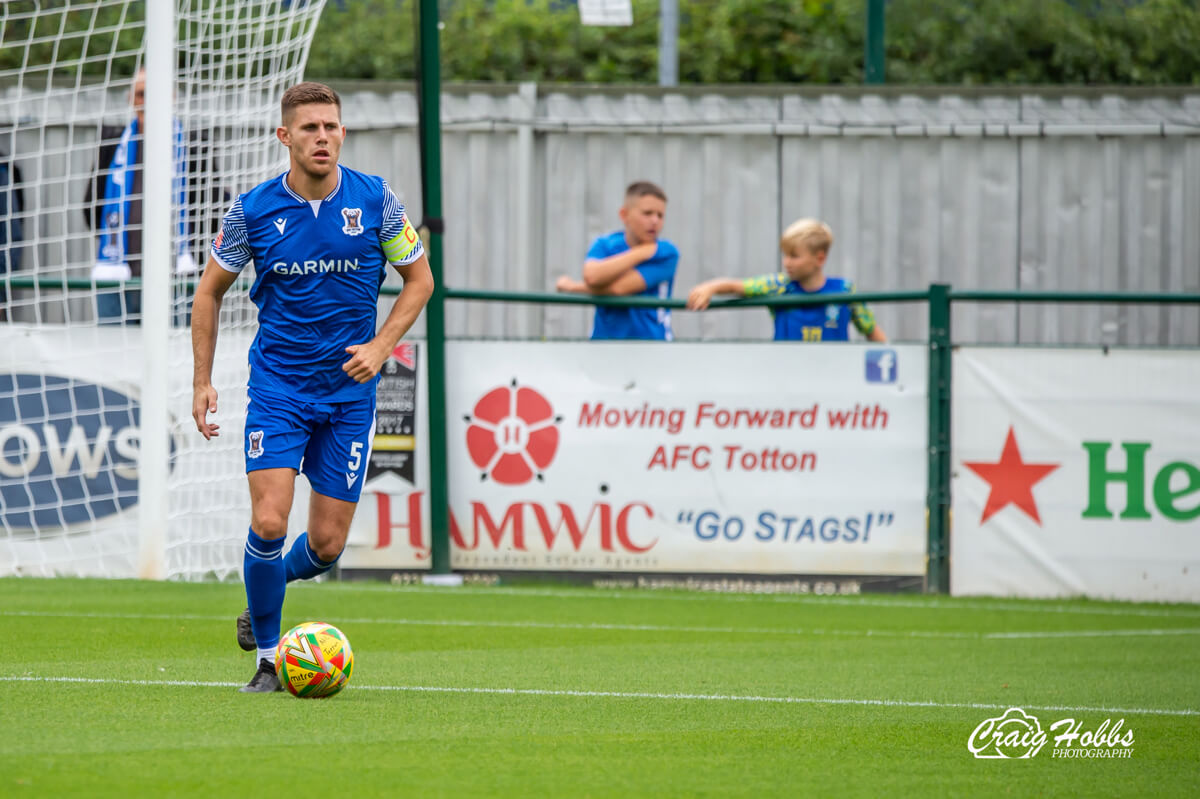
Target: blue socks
point(267, 572)
point(302, 563)
point(265, 577)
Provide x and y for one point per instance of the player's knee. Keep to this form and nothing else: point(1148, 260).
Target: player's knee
point(326, 544)
point(269, 525)
point(328, 551)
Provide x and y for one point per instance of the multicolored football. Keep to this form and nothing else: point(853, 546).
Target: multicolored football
point(314, 660)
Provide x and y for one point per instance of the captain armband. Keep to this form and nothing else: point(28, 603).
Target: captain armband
point(399, 248)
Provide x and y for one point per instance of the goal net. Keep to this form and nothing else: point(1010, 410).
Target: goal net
point(72, 332)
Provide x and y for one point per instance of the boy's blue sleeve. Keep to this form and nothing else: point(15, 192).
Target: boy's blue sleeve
point(598, 250)
point(660, 268)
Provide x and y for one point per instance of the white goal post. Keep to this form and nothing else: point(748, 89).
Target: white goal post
point(104, 220)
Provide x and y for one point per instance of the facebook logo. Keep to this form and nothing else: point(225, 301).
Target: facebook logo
point(881, 366)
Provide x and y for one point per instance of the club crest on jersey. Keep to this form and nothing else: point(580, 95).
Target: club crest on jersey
point(256, 448)
point(353, 217)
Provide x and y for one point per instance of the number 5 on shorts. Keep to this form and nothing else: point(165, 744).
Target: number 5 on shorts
point(356, 452)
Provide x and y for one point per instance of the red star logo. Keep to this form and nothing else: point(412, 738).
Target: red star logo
point(405, 353)
point(1011, 479)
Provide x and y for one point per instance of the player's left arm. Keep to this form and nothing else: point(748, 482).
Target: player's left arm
point(403, 249)
point(367, 359)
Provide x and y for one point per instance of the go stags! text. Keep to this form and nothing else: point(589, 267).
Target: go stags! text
point(767, 526)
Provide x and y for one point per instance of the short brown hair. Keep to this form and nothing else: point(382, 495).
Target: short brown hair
point(308, 93)
point(812, 234)
point(644, 188)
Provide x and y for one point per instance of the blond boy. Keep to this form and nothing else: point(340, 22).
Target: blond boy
point(805, 246)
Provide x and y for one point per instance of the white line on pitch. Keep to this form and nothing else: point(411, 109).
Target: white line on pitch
point(788, 700)
point(605, 626)
point(1093, 633)
point(1025, 606)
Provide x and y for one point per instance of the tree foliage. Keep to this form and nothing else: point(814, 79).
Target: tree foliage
point(963, 42)
point(1134, 42)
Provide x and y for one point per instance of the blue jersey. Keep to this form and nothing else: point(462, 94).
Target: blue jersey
point(811, 322)
point(659, 274)
point(319, 265)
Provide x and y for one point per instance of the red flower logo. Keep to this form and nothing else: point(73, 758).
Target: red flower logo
point(512, 434)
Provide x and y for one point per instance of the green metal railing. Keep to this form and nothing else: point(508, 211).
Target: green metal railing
point(939, 298)
point(69, 283)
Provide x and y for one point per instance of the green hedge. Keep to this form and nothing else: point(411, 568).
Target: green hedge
point(779, 41)
point(1131, 42)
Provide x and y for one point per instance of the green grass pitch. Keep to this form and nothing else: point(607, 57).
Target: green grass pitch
point(114, 688)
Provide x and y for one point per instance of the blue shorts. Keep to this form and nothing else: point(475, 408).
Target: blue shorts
point(329, 442)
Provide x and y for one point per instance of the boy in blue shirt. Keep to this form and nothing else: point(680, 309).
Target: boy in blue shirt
point(805, 246)
point(633, 261)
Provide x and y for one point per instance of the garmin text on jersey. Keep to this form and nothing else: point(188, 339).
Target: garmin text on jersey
point(315, 267)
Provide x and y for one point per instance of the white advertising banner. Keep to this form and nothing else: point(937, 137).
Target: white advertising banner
point(69, 444)
point(70, 417)
point(697, 458)
point(1076, 473)
point(762, 458)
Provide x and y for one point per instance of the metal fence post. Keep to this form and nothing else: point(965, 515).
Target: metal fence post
point(435, 315)
point(937, 575)
point(873, 48)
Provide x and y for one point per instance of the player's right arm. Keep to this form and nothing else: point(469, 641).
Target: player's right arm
point(229, 255)
point(206, 310)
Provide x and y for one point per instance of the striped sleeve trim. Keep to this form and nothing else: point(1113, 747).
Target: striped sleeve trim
point(397, 236)
point(231, 247)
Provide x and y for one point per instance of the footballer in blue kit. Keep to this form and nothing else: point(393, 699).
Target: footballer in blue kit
point(321, 237)
point(631, 262)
